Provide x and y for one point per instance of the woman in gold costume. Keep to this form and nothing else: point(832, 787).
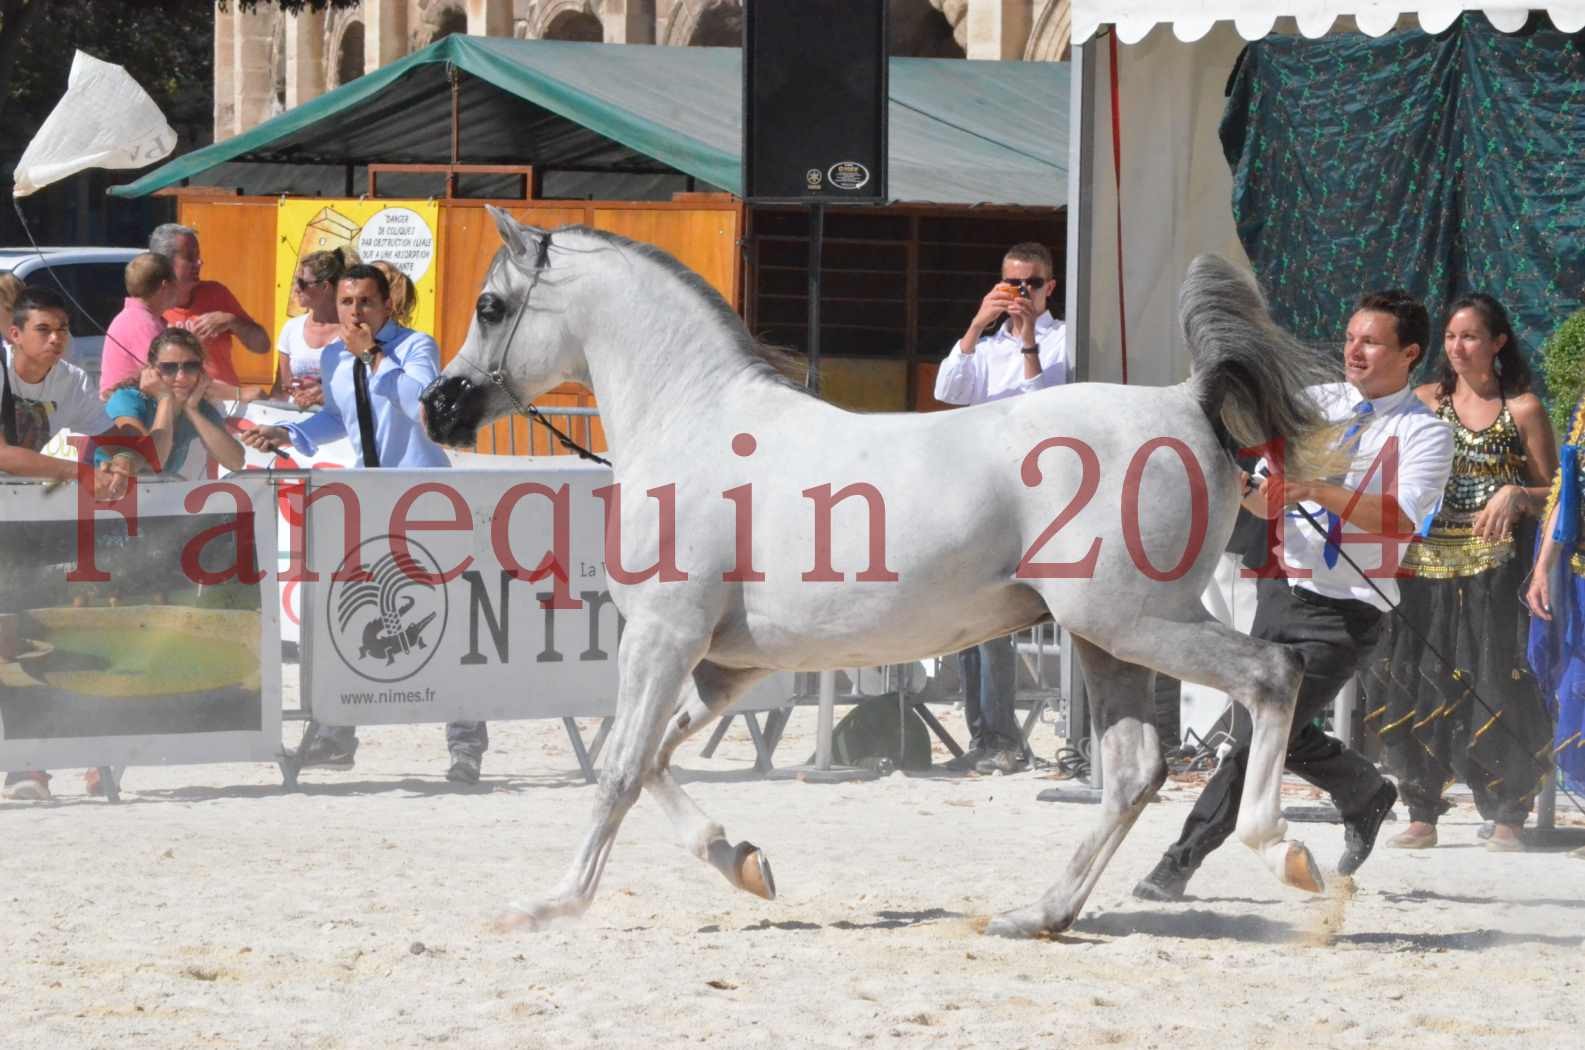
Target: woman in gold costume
point(1466, 576)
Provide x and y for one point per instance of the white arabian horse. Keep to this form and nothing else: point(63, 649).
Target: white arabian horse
point(809, 537)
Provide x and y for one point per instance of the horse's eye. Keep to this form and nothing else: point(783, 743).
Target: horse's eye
point(491, 309)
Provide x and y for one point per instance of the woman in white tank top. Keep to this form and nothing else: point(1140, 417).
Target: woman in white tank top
point(304, 338)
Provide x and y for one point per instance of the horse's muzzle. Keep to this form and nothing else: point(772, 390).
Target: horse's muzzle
point(453, 409)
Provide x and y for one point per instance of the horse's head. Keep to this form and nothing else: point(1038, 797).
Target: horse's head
point(518, 345)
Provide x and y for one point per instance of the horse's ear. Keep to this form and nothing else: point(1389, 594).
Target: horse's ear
point(519, 239)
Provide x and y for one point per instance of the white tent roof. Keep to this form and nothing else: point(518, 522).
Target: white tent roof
point(1192, 19)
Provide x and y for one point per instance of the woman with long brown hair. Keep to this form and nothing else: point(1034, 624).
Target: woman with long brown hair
point(1482, 720)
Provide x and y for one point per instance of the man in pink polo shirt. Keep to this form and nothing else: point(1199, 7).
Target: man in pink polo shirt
point(208, 310)
point(151, 290)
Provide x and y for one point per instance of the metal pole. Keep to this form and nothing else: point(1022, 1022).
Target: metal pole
point(817, 222)
point(1081, 223)
point(1546, 804)
point(456, 130)
point(1343, 712)
point(828, 706)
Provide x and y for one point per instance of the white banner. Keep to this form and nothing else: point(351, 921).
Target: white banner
point(140, 633)
point(432, 595)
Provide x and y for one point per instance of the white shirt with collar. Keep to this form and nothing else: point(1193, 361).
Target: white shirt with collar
point(1425, 459)
point(996, 368)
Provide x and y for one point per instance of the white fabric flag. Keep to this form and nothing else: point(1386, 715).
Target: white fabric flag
point(105, 120)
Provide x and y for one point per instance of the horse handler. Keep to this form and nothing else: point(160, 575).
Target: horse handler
point(1324, 609)
point(372, 377)
point(1025, 352)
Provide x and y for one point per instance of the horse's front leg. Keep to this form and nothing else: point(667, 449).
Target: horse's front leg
point(653, 662)
point(744, 865)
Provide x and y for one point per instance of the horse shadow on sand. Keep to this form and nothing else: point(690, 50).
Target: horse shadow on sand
point(1194, 924)
point(517, 783)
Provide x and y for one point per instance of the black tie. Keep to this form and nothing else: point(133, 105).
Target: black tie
point(360, 390)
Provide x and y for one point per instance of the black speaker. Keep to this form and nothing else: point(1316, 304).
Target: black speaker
point(814, 101)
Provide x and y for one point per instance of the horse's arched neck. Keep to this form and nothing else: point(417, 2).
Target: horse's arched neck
point(650, 357)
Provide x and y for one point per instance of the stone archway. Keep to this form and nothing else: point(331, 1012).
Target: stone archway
point(576, 25)
point(567, 20)
point(347, 62)
point(1052, 32)
point(921, 29)
point(705, 23)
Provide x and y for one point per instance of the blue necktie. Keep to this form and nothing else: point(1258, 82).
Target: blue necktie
point(1334, 524)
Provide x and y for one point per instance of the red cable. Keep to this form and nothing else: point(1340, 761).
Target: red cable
point(1117, 173)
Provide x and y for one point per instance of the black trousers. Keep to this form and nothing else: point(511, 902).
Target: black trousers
point(1334, 638)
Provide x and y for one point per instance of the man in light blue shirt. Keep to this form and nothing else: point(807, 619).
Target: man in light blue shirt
point(399, 364)
point(392, 365)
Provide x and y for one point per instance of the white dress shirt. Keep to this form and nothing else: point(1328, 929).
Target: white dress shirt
point(1425, 459)
point(996, 367)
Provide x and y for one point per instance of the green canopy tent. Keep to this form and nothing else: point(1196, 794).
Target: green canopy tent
point(634, 122)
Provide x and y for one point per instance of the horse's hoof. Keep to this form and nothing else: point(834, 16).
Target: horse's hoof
point(1024, 924)
point(1300, 871)
point(516, 918)
point(753, 871)
point(1003, 926)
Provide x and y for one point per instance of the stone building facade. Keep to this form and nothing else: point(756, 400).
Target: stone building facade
point(267, 62)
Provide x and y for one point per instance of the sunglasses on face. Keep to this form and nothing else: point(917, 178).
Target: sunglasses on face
point(171, 369)
point(1034, 284)
point(303, 284)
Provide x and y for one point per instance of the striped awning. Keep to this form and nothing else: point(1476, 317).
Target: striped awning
point(1192, 19)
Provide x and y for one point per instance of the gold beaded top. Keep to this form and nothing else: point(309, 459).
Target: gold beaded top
point(1483, 462)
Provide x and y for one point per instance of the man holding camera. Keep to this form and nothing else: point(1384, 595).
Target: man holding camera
point(1012, 346)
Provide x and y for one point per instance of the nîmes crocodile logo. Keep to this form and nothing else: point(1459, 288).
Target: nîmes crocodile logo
point(386, 620)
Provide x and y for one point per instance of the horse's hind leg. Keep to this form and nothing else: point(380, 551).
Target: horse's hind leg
point(1131, 770)
point(715, 689)
point(1262, 676)
point(653, 662)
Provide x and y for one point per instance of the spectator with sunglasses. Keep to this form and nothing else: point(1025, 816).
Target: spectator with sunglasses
point(303, 339)
point(165, 403)
point(1012, 346)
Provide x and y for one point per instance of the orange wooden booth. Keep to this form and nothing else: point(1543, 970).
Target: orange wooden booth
point(702, 230)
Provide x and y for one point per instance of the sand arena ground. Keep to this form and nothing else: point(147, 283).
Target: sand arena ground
point(212, 910)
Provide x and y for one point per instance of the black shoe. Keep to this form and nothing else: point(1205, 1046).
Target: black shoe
point(464, 768)
point(1166, 882)
point(1359, 831)
point(964, 763)
point(321, 754)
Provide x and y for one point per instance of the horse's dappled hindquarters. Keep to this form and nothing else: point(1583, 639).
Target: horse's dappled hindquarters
point(753, 528)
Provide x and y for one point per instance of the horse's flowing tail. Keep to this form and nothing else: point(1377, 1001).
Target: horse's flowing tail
point(1249, 374)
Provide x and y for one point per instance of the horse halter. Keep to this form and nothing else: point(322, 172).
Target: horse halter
point(497, 377)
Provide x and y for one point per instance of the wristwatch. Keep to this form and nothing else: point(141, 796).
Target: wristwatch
point(1029, 350)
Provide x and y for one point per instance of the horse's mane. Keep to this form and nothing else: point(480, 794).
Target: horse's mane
point(777, 364)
